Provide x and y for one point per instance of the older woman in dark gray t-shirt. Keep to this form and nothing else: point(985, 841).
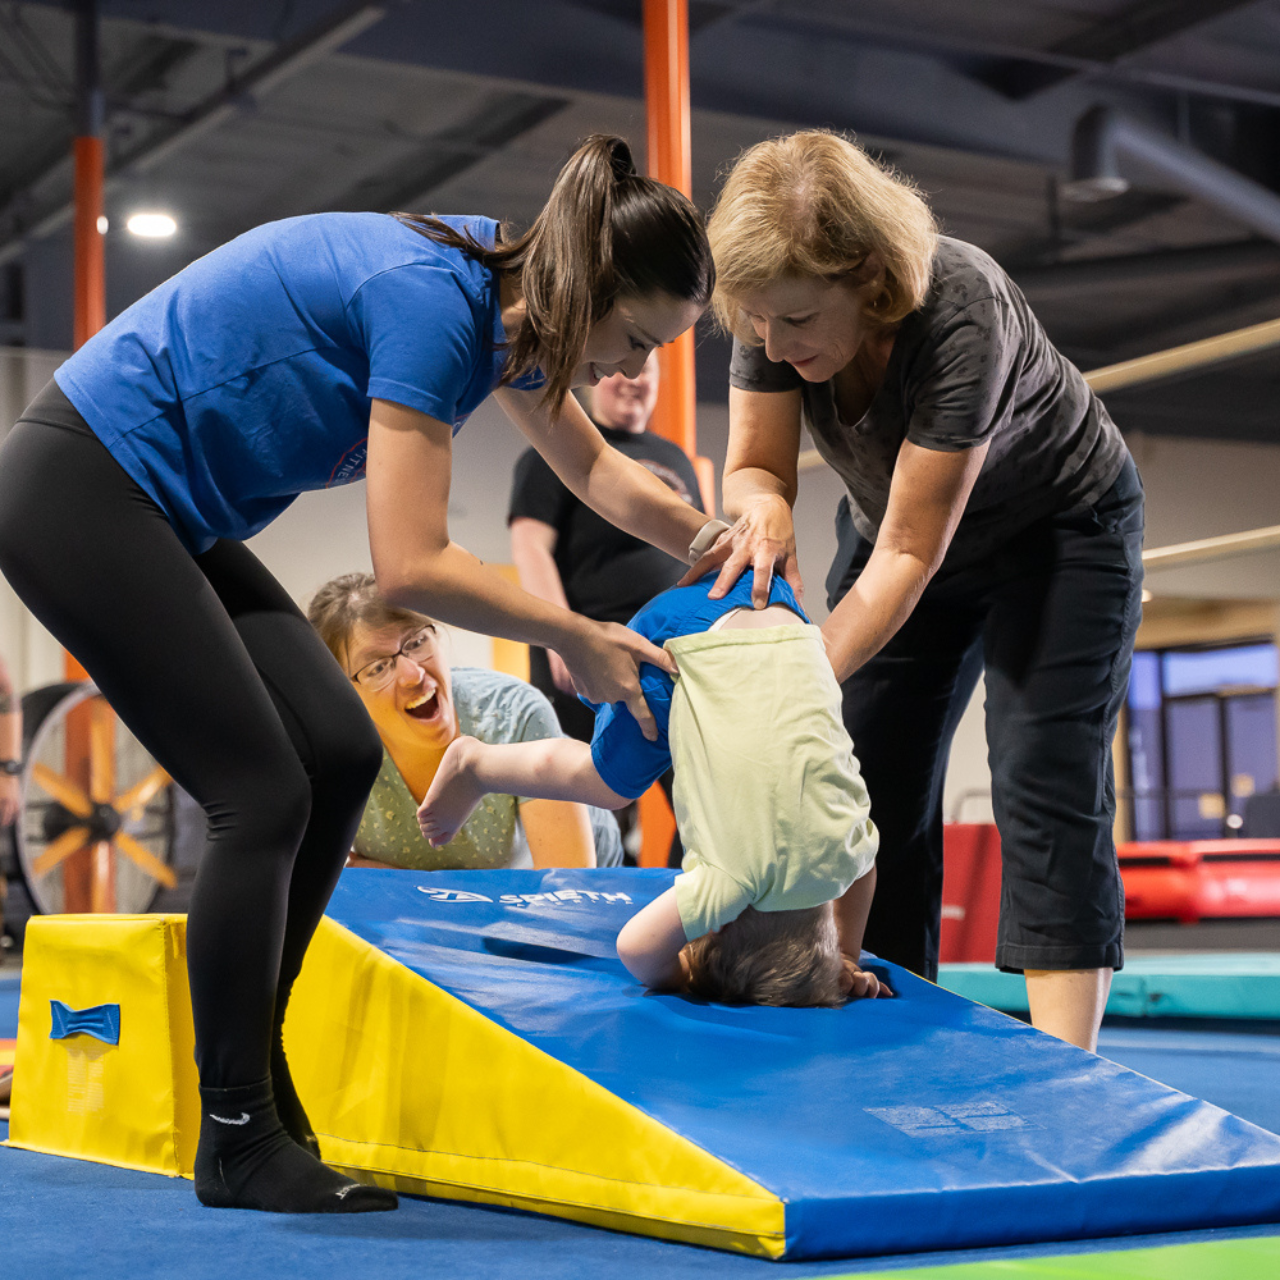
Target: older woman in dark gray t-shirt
point(993, 516)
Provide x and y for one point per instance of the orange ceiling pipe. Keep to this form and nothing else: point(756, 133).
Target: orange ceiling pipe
point(666, 82)
point(90, 272)
point(88, 156)
point(666, 91)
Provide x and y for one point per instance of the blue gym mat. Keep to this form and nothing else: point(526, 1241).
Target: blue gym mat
point(138, 1225)
point(1197, 985)
point(924, 1122)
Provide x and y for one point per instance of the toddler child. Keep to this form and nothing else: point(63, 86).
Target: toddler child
point(779, 863)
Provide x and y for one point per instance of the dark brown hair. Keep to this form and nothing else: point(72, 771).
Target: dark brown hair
point(605, 232)
point(343, 602)
point(770, 957)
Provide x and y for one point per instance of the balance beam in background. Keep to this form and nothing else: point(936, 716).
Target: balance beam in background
point(472, 1035)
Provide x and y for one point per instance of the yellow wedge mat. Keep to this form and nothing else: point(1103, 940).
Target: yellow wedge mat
point(409, 1087)
point(406, 1085)
point(135, 1103)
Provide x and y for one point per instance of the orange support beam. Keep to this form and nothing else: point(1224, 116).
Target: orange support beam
point(88, 157)
point(666, 75)
point(90, 272)
point(666, 85)
point(88, 884)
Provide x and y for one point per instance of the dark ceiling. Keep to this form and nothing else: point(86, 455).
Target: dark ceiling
point(232, 113)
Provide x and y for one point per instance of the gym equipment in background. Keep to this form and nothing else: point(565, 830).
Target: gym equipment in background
point(1192, 880)
point(96, 827)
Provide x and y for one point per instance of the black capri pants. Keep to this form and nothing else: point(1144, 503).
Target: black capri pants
point(217, 672)
point(1051, 617)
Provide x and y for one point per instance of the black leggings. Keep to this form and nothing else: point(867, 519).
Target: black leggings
point(213, 667)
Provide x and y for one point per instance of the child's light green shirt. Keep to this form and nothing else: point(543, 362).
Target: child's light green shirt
point(770, 803)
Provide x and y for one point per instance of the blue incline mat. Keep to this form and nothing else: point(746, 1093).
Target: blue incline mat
point(923, 1122)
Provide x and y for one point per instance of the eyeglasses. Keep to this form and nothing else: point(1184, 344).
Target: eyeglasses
point(382, 671)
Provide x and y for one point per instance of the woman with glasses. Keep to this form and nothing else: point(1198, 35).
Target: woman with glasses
point(419, 705)
point(308, 353)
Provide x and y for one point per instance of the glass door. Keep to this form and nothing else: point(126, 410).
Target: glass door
point(1194, 756)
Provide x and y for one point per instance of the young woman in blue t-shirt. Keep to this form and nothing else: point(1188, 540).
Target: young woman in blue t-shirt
point(308, 353)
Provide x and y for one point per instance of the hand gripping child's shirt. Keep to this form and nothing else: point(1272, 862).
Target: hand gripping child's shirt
point(779, 864)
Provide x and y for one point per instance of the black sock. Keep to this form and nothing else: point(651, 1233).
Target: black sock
point(288, 1105)
point(246, 1160)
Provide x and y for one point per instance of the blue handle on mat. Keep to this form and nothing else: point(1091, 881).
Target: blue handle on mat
point(102, 1022)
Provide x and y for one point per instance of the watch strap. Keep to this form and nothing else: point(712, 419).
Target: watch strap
point(705, 538)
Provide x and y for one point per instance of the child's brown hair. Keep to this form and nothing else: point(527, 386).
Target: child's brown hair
point(770, 957)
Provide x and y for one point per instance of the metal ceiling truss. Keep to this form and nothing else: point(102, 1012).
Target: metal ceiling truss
point(266, 74)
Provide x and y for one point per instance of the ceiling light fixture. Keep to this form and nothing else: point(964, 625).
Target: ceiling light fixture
point(151, 226)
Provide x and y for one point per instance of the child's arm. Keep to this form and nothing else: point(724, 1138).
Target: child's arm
point(549, 769)
point(651, 942)
point(852, 909)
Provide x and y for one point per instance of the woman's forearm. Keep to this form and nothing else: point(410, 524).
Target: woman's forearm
point(748, 485)
point(614, 486)
point(454, 586)
point(631, 497)
point(558, 833)
point(877, 604)
point(927, 498)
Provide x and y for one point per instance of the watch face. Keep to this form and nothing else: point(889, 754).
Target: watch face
point(11, 767)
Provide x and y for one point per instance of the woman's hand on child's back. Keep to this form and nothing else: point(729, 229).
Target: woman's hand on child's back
point(862, 983)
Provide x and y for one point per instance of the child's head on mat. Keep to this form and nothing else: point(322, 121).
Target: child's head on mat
point(769, 957)
point(768, 797)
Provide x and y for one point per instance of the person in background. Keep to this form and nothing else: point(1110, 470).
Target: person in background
point(399, 665)
point(10, 751)
point(569, 556)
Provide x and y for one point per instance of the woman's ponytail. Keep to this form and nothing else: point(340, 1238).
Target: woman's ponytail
point(568, 278)
point(604, 232)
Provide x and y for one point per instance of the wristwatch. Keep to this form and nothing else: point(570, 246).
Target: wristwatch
point(705, 537)
point(11, 767)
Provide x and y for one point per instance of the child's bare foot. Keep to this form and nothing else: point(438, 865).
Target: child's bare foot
point(453, 794)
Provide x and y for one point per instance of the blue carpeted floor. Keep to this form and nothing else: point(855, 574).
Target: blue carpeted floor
point(82, 1221)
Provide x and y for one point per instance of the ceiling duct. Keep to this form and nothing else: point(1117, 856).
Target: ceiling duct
point(1109, 150)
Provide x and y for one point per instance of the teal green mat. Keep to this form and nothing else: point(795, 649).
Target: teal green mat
point(1220, 985)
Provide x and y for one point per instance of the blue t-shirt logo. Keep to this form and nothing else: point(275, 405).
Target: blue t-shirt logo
point(351, 465)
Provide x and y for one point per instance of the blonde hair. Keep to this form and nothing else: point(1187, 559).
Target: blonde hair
point(770, 957)
point(353, 598)
point(815, 204)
